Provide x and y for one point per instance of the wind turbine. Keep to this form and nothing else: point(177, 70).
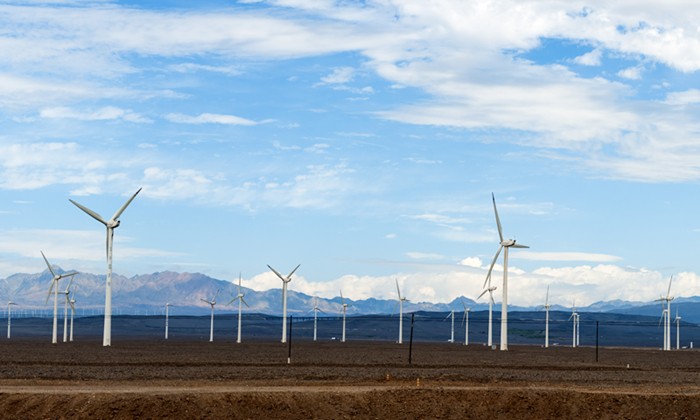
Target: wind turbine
point(65, 310)
point(240, 299)
point(345, 309)
point(504, 245)
point(167, 315)
point(285, 281)
point(465, 321)
point(71, 301)
point(402, 299)
point(490, 289)
point(452, 333)
point(9, 317)
point(54, 288)
point(678, 330)
point(546, 319)
point(211, 302)
point(316, 310)
point(666, 315)
point(110, 224)
point(574, 318)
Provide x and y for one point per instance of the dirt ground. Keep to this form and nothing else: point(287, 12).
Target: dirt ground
point(252, 380)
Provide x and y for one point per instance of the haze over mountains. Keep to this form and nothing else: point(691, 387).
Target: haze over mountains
point(147, 294)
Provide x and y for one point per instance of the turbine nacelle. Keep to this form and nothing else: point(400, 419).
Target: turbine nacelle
point(112, 224)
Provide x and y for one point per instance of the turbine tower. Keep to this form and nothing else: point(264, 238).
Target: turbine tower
point(167, 314)
point(65, 310)
point(666, 315)
point(490, 289)
point(211, 302)
point(72, 314)
point(241, 302)
point(678, 330)
point(402, 299)
point(345, 309)
point(546, 319)
point(465, 321)
point(574, 318)
point(504, 245)
point(452, 331)
point(110, 224)
point(54, 288)
point(316, 310)
point(285, 281)
point(9, 317)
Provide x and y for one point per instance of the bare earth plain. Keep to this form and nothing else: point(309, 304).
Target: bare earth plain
point(333, 380)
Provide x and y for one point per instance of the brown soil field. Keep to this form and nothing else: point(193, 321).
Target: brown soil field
point(333, 380)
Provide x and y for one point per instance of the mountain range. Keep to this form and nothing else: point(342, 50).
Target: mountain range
point(147, 295)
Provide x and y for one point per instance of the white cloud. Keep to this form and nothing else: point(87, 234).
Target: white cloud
point(424, 256)
point(340, 75)
point(691, 96)
point(565, 256)
point(592, 58)
point(207, 118)
point(632, 73)
point(102, 114)
point(474, 262)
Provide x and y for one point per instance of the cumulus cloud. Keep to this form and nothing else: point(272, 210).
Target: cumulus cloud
point(585, 283)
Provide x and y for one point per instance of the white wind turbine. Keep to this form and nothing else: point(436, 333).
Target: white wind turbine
point(110, 224)
point(452, 331)
point(574, 318)
point(211, 302)
point(678, 330)
point(402, 299)
point(167, 316)
point(54, 288)
point(465, 321)
point(666, 315)
point(504, 245)
point(9, 317)
point(316, 310)
point(285, 281)
point(490, 289)
point(241, 302)
point(71, 301)
point(546, 319)
point(65, 310)
point(345, 310)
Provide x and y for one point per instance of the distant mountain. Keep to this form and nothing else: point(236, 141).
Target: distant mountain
point(147, 294)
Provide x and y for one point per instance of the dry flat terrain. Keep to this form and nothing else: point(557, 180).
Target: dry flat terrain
point(198, 379)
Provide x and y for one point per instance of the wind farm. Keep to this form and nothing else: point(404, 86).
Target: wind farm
point(362, 140)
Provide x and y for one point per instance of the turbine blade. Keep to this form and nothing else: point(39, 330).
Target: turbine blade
point(239, 283)
point(397, 288)
point(448, 315)
point(498, 220)
point(231, 301)
point(276, 272)
point(482, 294)
point(92, 214)
point(493, 262)
point(122, 208)
point(491, 295)
point(69, 284)
point(546, 299)
point(289, 277)
point(47, 264)
point(342, 299)
point(216, 294)
point(668, 294)
point(48, 295)
point(519, 246)
point(244, 302)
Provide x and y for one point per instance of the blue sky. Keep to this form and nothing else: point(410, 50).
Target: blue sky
point(360, 139)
